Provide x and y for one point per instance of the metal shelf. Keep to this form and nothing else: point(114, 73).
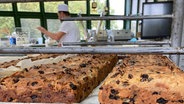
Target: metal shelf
point(118, 17)
point(92, 50)
point(116, 43)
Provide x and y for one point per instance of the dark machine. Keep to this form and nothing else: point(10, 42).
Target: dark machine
point(157, 28)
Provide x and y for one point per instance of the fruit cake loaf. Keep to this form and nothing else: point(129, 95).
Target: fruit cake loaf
point(143, 84)
point(150, 60)
point(68, 81)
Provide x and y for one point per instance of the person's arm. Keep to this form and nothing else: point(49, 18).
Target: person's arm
point(55, 36)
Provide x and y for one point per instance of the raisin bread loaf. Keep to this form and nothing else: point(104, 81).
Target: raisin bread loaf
point(68, 81)
point(143, 79)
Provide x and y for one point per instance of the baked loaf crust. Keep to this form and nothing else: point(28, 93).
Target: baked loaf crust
point(143, 79)
point(68, 81)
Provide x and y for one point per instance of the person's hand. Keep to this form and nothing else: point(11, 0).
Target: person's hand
point(43, 30)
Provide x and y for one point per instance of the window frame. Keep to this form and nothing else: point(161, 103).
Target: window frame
point(43, 16)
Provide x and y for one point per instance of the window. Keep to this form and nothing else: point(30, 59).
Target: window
point(117, 8)
point(140, 5)
point(134, 13)
point(95, 25)
point(77, 7)
point(5, 7)
point(133, 26)
point(53, 25)
point(29, 7)
point(117, 24)
point(31, 24)
point(52, 6)
point(101, 4)
point(134, 7)
point(150, 0)
point(82, 29)
point(164, 0)
point(7, 26)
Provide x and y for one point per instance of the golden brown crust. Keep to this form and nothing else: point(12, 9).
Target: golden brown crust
point(70, 80)
point(143, 80)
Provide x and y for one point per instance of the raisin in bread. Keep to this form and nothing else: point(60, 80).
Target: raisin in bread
point(143, 79)
point(69, 81)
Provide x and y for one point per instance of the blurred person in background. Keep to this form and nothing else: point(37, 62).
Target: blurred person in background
point(68, 31)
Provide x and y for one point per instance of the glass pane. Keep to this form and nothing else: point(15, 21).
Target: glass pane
point(117, 8)
point(77, 7)
point(140, 5)
point(52, 6)
point(164, 0)
point(82, 28)
point(102, 33)
point(7, 26)
point(150, 0)
point(117, 24)
point(5, 7)
point(32, 24)
point(101, 4)
point(133, 27)
point(29, 7)
point(95, 24)
point(134, 7)
point(53, 25)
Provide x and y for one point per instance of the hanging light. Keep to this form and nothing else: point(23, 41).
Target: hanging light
point(94, 4)
point(106, 9)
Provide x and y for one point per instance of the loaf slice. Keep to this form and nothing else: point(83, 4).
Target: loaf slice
point(69, 81)
point(143, 84)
